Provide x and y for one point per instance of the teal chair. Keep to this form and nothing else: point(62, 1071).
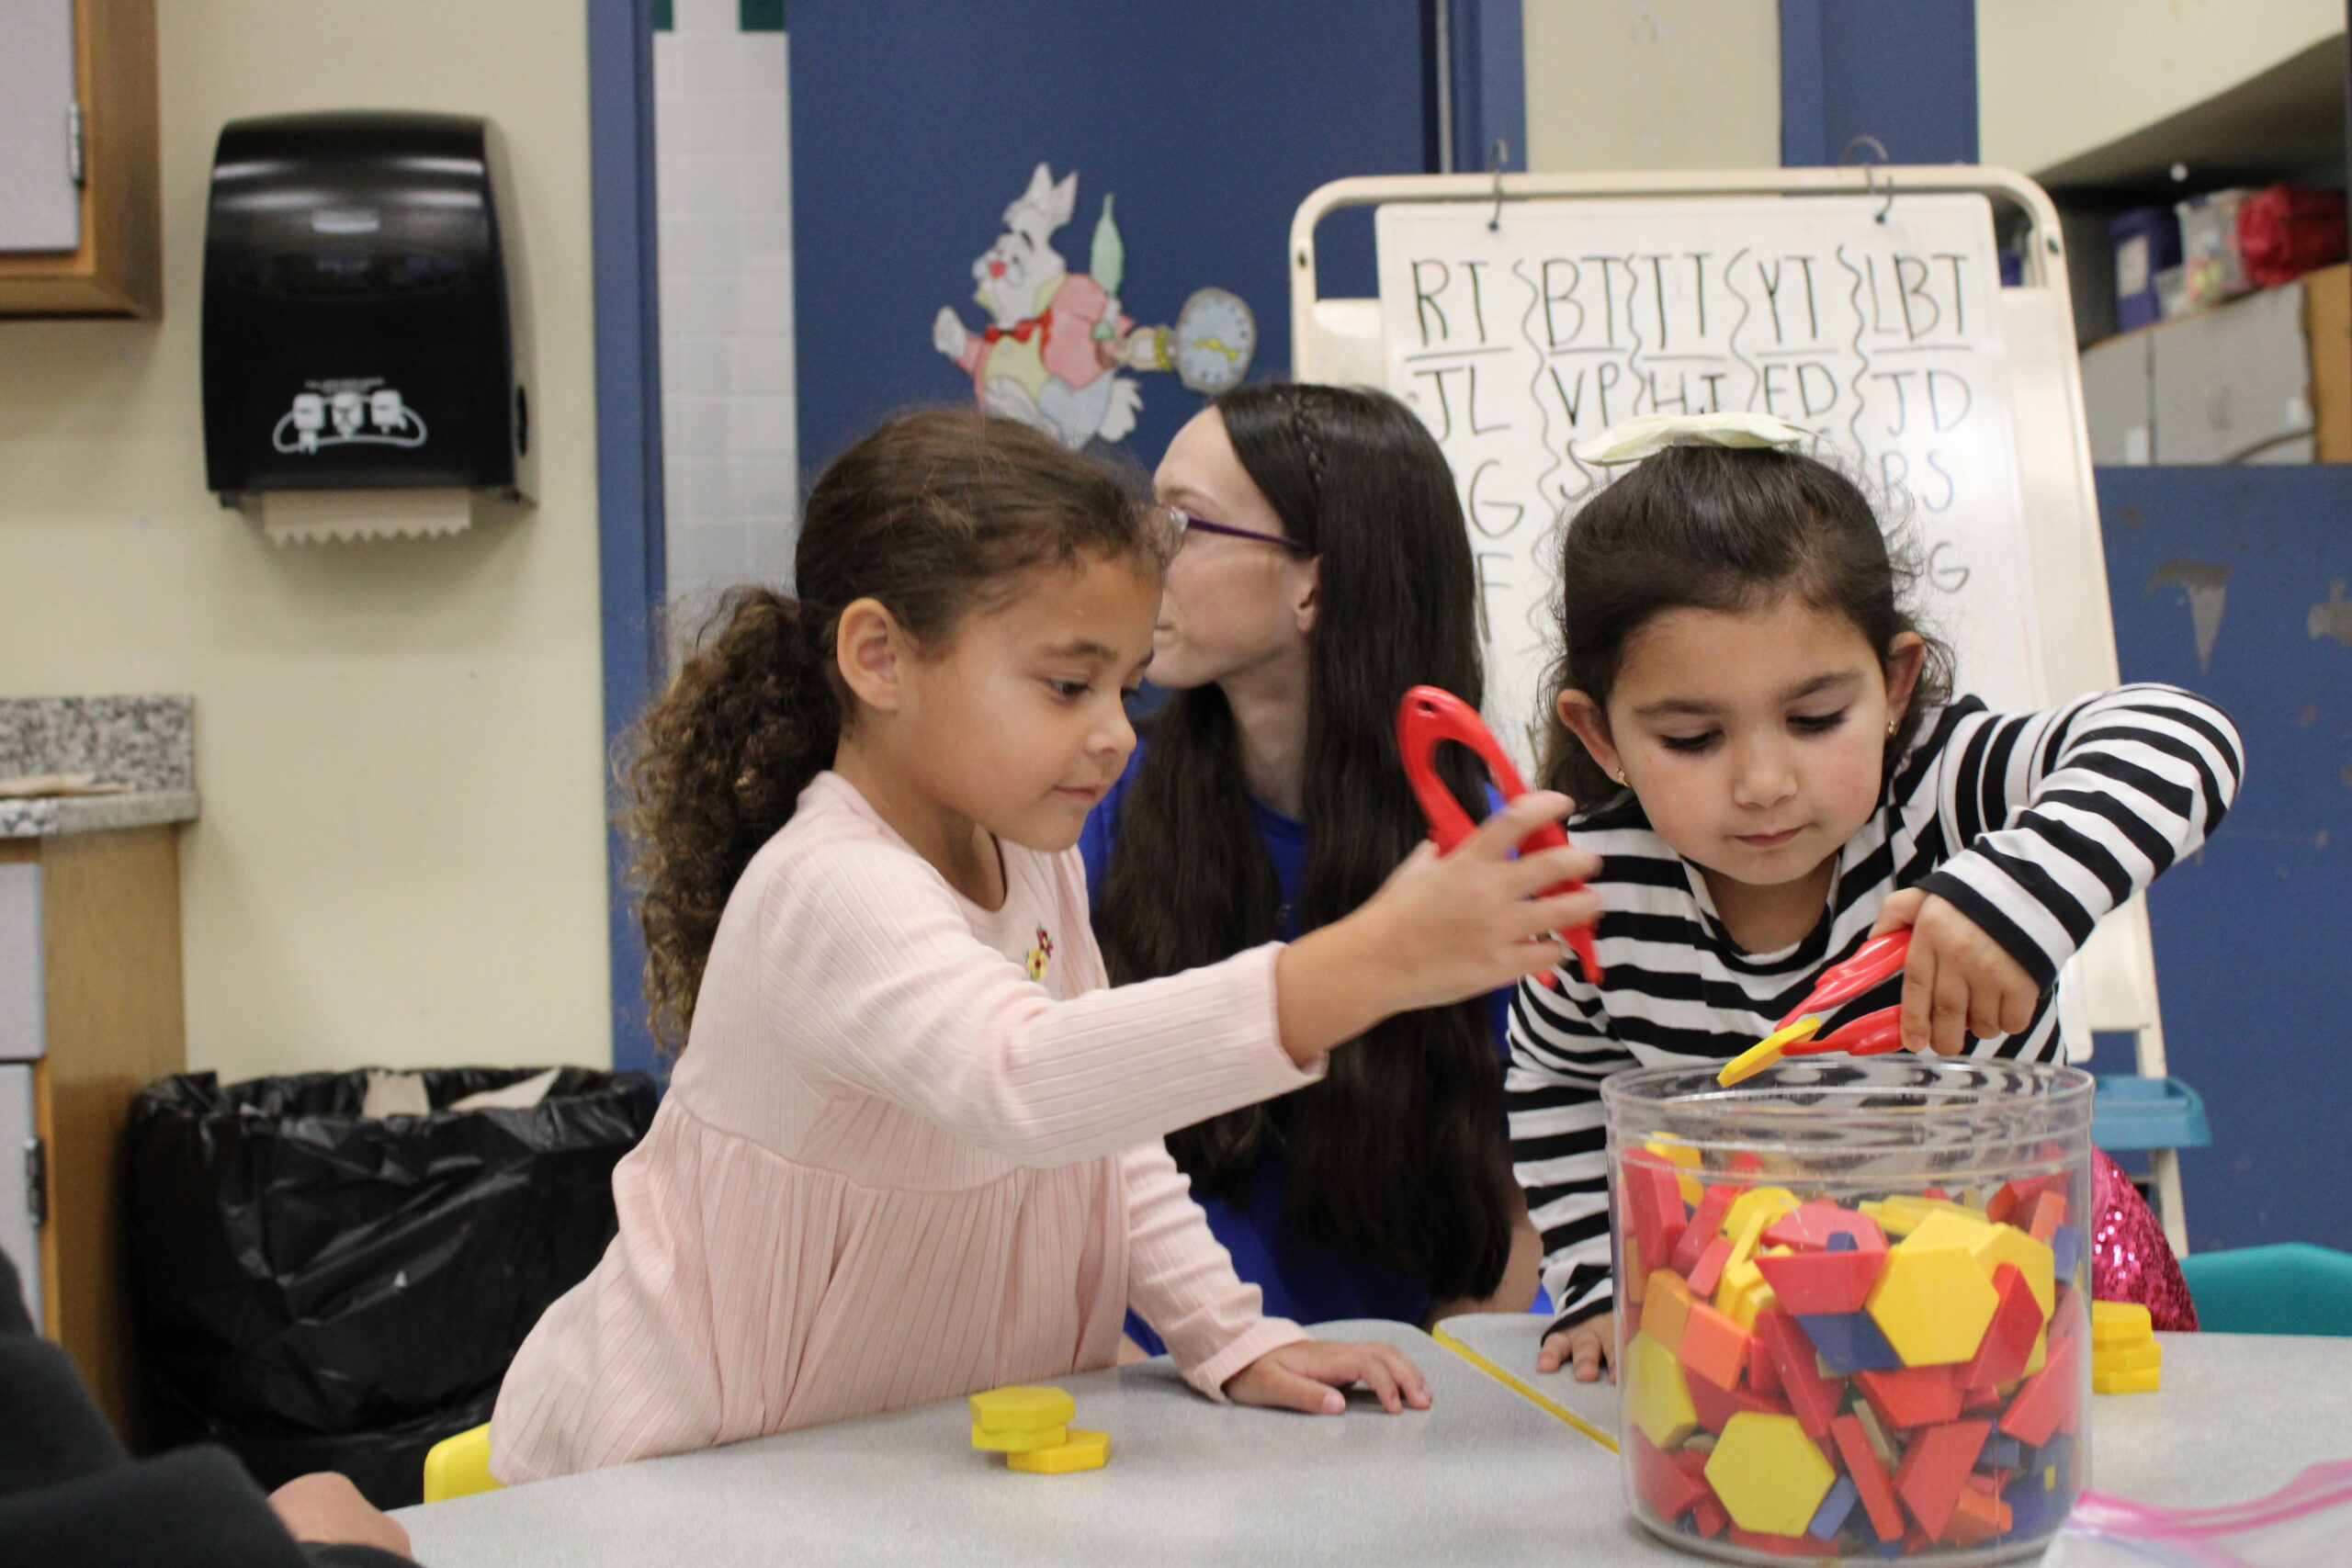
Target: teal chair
point(2292, 1289)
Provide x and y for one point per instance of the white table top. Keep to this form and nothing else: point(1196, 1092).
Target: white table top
point(1484, 1476)
point(1481, 1477)
point(2239, 1414)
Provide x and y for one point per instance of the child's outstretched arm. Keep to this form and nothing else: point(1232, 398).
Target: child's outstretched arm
point(1183, 1283)
point(2057, 818)
point(1561, 1049)
point(875, 971)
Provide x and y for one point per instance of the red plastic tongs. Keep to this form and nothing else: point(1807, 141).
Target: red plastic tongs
point(1427, 718)
point(1872, 1034)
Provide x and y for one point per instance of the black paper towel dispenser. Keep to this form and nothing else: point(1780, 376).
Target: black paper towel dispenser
point(365, 320)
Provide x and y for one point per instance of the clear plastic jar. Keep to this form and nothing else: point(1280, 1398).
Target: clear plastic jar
point(1854, 1305)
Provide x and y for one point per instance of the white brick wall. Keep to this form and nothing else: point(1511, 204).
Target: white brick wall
point(723, 169)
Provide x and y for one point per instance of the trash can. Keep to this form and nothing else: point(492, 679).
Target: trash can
point(323, 1290)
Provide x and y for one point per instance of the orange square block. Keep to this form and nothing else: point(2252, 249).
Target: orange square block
point(1666, 1309)
point(1712, 1346)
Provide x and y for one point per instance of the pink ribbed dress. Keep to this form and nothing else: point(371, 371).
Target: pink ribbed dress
point(894, 1167)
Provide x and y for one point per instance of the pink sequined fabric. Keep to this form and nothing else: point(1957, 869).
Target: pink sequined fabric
point(2131, 1259)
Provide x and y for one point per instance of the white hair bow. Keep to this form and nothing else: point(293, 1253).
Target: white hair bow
point(1638, 438)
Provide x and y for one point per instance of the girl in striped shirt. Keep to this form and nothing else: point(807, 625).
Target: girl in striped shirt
point(912, 1146)
point(1777, 770)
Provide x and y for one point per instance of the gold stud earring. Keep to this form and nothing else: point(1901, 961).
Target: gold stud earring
point(1893, 725)
point(1621, 779)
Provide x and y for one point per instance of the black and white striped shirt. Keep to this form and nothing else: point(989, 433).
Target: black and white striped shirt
point(2033, 826)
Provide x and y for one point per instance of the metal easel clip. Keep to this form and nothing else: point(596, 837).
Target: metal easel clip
point(1869, 171)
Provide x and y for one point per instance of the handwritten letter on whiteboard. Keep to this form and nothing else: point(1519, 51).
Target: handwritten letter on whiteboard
point(1577, 315)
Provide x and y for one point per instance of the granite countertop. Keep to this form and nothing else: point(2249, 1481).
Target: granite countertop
point(147, 742)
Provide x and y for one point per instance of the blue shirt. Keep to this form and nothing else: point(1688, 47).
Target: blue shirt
point(1306, 1284)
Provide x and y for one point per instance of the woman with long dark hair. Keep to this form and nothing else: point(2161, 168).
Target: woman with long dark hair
point(1324, 569)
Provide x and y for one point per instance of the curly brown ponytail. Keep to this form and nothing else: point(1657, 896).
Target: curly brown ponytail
point(937, 513)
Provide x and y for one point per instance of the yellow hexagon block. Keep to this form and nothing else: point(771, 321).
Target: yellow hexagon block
point(1022, 1409)
point(1658, 1397)
point(1768, 1473)
point(1950, 1227)
point(1085, 1451)
point(1932, 1303)
point(2007, 1243)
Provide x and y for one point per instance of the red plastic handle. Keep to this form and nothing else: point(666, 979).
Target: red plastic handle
point(1427, 718)
point(1872, 1034)
point(1878, 959)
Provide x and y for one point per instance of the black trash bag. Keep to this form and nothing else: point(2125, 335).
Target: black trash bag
point(320, 1290)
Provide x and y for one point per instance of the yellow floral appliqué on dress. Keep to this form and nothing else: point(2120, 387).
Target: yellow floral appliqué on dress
point(1041, 954)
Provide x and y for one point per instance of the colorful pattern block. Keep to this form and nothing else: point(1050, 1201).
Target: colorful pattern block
point(1932, 1303)
point(2120, 1321)
point(1657, 1396)
point(1017, 1442)
point(2067, 1250)
point(1684, 1158)
point(1669, 1490)
point(1759, 1206)
point(1654, 1203)
point(1714, 1347)
point(2005, 1353)
point(1935, 1472)
point(1085, 1451)
point(1743, 1293)
point(1022, 1409)
point(1706, 1224)
point(1667, 1308)
point(2049, 1397)
point(1821, 1282)
point(1911, 1396)
point(1716, 1406)
point(2006, 1246)
point(1849, 1342)
point(1830, 1517)
point(1813, 1398)
point(1816, 1223)
point(1869, 1477)
point(1769, 1474)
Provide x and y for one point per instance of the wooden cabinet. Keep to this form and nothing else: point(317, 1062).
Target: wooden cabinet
point(80, 220)
point(90, 1011)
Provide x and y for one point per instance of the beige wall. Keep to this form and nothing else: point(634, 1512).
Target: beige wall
point(2056, 78)
point(1653, 84)
point(400, 859)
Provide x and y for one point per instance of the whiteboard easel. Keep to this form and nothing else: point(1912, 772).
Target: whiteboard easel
point(2113, 979)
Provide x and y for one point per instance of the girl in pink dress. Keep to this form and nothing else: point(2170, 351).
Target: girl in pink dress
point(912, 1146)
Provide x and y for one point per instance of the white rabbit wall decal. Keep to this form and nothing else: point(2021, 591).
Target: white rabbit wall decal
point(1056, 341)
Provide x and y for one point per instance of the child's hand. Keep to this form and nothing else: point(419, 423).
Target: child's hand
point(1310, 1374)
point(1441, 929)
point(1584, 1345)
point(1958, 980)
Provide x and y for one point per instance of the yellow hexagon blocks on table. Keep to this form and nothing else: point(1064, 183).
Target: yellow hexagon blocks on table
point(1768, 1473)
point(1084, 1450)
point(1030, 1428)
